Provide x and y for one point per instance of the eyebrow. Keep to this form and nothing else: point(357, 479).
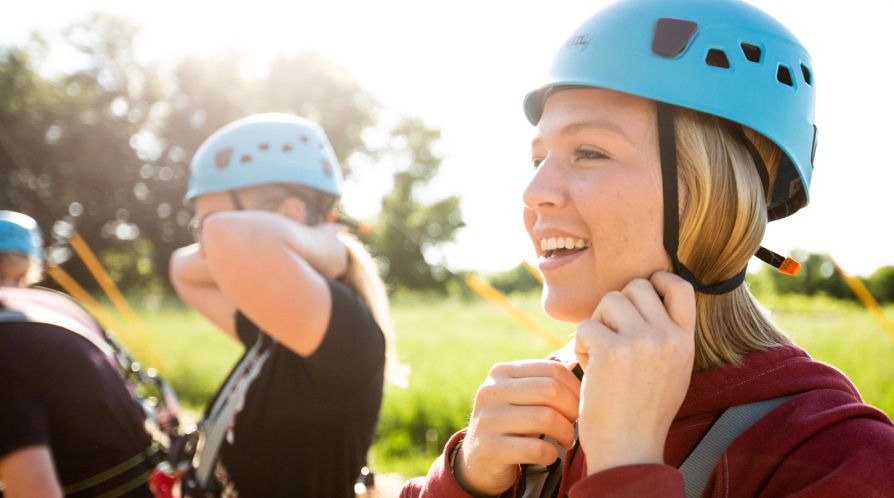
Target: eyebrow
point(590, 124)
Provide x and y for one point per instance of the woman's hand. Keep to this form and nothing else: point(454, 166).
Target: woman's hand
point(637, 353)
point(519, 402)
point(329, 255)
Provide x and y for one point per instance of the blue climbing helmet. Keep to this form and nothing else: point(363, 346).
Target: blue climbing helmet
point(20, 234)
point(720, 57)
point(264, 149)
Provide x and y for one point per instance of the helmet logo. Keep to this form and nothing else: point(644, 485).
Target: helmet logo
point(575, 41)
point(222, 157)
point(671, 36)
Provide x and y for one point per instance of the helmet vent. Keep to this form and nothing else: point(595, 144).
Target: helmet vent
point(246, 158)
point(717, 58)
point(751, 52)
point(784, 75)
point(286, 148)
point(672, 35)
point(264, 146)
point(807, 76)
point(304, 139)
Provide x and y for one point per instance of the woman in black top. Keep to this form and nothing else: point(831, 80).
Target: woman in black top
point(303, 297)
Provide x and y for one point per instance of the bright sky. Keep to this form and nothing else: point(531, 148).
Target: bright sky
point(464, 67)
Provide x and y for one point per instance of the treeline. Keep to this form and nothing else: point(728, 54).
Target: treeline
point(818, 276)
point(104, 149)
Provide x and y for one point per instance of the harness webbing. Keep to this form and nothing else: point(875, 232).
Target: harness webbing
point(669, 183)
point(214, 426)
point(697, 467)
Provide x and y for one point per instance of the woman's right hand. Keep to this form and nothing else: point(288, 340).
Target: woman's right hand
point(519, 402)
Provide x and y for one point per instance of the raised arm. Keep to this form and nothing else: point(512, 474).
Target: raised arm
point(274, 270)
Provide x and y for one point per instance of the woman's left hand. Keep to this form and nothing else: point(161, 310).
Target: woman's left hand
point(637, 352)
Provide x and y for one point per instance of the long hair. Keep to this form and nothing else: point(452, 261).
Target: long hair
point(362, 274)
point(721, 227)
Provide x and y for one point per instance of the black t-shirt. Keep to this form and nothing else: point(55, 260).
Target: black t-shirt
point(59, 390)
point(308, 422)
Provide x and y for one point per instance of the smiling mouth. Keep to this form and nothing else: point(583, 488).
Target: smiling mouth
point(562, 246)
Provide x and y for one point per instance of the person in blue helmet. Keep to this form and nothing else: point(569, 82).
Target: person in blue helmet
point(298, 415)
point(70, 424)
point(668, 134)
point(21, 246)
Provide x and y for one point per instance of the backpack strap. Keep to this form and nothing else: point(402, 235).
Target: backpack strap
point(734, 421)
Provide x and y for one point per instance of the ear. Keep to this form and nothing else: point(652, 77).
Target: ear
point(294, 209)
point(332, 217)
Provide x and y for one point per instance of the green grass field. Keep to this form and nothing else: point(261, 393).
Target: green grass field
point(450, 344)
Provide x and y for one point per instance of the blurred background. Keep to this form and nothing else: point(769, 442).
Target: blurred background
point(103, 103)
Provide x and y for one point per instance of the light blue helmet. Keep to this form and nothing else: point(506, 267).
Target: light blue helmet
point(720, 57)
point(264, 149)
point(20, 234)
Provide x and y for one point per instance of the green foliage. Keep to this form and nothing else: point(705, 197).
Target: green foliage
point(450, 345)
point(105, 149)
point(818, 276)
point(881, 284)
point(195, 357)
point(408, 230)
point(518, 279)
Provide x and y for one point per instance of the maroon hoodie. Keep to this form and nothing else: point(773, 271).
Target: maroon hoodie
point(822, 442)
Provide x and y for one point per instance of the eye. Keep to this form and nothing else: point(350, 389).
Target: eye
point(588, 154)
point(535, 162)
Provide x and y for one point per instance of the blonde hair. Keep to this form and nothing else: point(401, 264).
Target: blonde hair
point(362, 274)
point(20, 268)
point(721, 227)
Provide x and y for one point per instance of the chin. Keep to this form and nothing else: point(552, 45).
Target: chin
point(567, 310)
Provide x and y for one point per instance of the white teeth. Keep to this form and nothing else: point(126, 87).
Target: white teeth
point(554, 243)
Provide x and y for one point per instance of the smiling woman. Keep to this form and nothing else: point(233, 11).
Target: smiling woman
point(656, 170)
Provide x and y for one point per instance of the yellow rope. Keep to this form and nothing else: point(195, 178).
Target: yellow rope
point(92, 306)
point(866, 298)
point(494, 297)
point(105, 281)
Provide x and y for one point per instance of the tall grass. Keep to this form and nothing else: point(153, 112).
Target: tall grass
point(450, 345)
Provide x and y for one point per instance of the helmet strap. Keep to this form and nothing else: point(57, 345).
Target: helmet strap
point(667, 147)
point(236, 203)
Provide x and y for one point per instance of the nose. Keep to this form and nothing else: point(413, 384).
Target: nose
point(545, 188)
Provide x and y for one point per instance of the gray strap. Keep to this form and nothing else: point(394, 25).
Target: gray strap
point(230, 400)
point(735, 420)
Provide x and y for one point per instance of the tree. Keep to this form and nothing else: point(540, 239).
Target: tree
point(817, 276)
point(106, 148)
point(881, 284)
point(409, 231)
point(73, 144)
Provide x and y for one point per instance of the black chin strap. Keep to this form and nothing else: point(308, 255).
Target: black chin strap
point(668, 150)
